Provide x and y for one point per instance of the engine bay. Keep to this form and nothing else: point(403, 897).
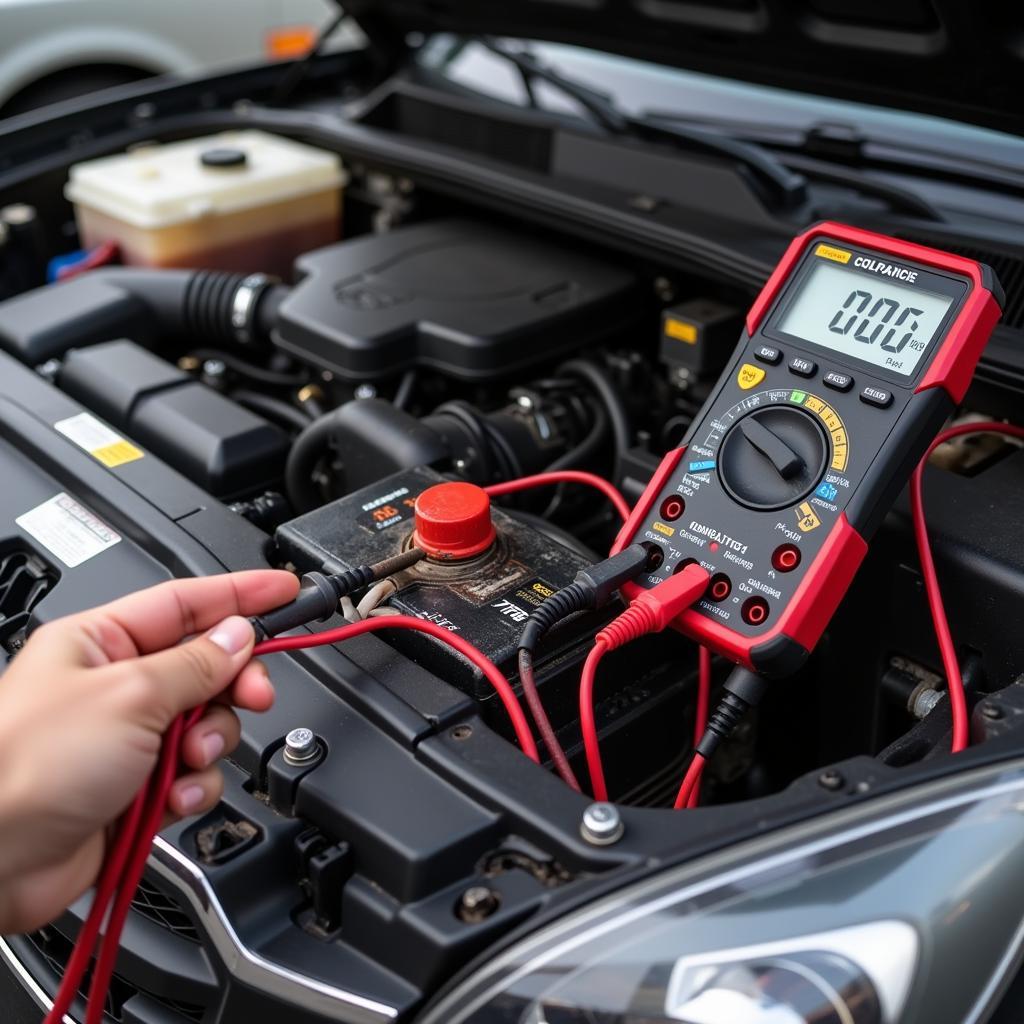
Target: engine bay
point(283, 397)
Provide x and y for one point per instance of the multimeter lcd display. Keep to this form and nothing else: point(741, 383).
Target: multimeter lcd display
point(874, 319)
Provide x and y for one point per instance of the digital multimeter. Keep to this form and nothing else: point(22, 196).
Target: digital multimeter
point(854, 354)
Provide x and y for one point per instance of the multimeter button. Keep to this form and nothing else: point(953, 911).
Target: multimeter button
point(802, 367)
point(768, 354)
point(749, 376)
point(838, 381)
point(876, 396)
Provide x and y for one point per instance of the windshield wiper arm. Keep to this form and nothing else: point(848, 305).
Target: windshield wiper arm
point(777, 184)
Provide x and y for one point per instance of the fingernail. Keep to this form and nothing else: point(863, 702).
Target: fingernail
point(212, 746)
point(190, 798)
point(233, 634)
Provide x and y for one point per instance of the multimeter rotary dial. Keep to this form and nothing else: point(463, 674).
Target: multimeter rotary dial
point(773, 457)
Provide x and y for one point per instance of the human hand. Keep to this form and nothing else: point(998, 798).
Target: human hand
point(83, 709)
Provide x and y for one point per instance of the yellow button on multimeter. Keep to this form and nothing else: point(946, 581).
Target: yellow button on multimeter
point(749, 376)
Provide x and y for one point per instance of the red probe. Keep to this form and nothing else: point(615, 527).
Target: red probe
point(650, 611)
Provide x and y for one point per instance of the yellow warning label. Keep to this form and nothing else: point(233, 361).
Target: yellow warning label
point(661, 528)
point(807, 518)
point(116, 454)
point(681, 330)
point(96, 438)
point(749, 376)
point(830, 252)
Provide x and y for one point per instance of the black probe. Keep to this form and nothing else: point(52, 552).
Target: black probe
point(592, 588)
point(320, 593)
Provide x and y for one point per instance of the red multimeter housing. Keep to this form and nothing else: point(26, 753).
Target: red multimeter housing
point(856, 351)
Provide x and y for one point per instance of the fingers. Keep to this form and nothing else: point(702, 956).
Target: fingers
point(195, 793)
point(217, 733)
point(252, 690)
point(182, 677)
point(160, 616)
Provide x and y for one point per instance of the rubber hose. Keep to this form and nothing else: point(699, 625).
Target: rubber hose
point(306, 452)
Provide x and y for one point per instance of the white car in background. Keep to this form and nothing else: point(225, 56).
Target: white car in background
point(52, 50)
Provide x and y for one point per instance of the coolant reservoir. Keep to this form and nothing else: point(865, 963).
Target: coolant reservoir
point(244, 201)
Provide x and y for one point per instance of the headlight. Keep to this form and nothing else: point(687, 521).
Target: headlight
point(907, 909)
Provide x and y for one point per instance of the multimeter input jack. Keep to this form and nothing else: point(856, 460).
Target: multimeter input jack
point(720, 587)
point(672, 508)
point(786, 557)
point(754, 611)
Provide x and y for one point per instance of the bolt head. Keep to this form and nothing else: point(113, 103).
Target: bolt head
point(831, 779)
point(992, 711)
point(50, 369)
point(300, 745)
point(366, 391)
point(602, 824)
point(478, 902)
point(214, 368)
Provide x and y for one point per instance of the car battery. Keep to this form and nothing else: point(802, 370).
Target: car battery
point(484, 595)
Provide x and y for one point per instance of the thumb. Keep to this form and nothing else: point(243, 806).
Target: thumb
point(192, 673)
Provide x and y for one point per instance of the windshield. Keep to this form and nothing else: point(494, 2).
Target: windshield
point(757, 112)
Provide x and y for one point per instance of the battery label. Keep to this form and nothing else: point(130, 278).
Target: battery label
point(517, 604)
point(387, 510)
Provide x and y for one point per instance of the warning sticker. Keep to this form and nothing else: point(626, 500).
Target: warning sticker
point(98, 440)
point(68, 530)
point(830, 252)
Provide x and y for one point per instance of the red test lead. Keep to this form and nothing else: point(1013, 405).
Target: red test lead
point(650, 611)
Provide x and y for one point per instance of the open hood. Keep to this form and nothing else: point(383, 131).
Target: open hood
point(952, 58)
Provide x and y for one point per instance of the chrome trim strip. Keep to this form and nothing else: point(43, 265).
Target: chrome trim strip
point(41, 999)
point(251, 968)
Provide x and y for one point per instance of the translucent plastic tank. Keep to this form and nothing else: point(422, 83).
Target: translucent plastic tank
point(244, 201)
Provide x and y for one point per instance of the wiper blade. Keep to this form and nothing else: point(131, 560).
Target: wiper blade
point(813, 154)
point(778, 185)
point(899, 199)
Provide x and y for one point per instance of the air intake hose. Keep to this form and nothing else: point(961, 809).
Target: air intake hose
point(209, 307)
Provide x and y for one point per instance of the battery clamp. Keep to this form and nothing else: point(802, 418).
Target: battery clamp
point(853, 355)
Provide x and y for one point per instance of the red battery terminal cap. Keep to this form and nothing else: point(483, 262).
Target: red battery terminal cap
point(453, 521)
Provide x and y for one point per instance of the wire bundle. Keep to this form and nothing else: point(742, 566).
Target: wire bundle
point(122, 870)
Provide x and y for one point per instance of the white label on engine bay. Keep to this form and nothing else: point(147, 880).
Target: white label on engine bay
point(68, 530)
point(98, 440)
